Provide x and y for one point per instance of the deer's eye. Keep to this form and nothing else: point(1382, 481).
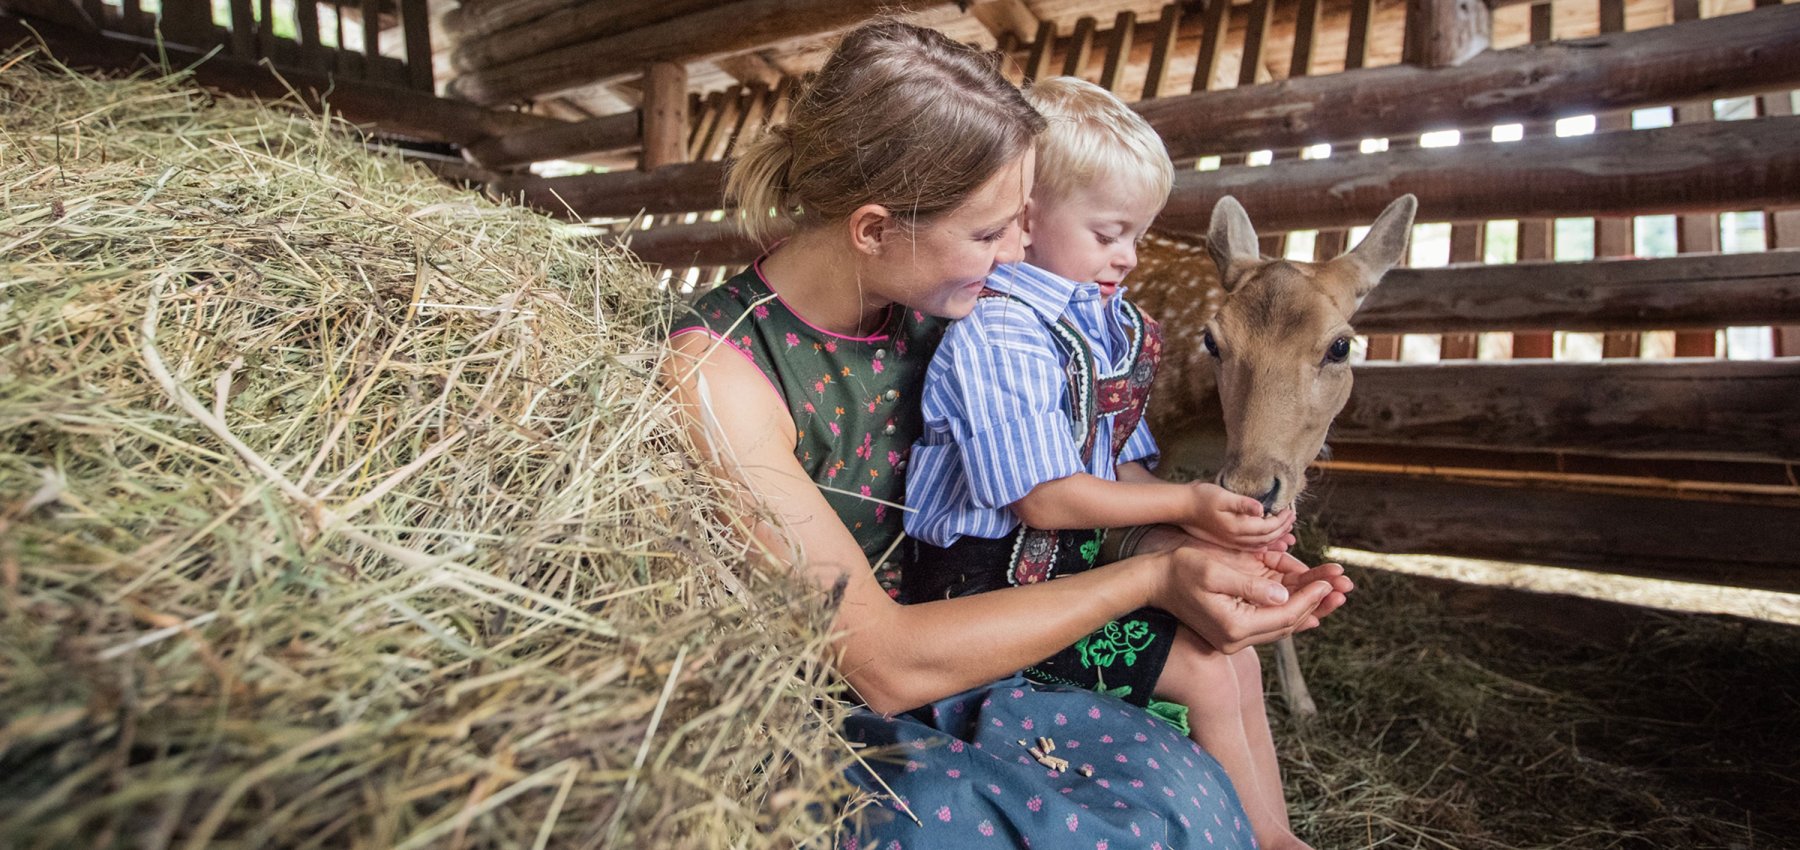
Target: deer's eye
point(1212, 345)
point(1339, 350)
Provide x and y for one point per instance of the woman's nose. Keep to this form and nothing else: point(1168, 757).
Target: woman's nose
point(1012, 248)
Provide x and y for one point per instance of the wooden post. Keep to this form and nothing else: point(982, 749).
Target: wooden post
point(1535, 233)
point(1614, 236)
point(415, 26)
point(1697, 233)
point(665, 115)
point(1442, 33)
point(1465, 247)
point(1306, 26)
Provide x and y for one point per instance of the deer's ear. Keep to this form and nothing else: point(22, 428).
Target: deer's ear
point(1385, 245)
point(1231, 241)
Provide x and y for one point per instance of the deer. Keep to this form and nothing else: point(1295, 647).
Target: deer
point(1259, 347)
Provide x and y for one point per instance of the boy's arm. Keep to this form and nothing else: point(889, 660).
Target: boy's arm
point(1086, 501)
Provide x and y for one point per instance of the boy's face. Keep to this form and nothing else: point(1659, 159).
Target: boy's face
point(1090, 234)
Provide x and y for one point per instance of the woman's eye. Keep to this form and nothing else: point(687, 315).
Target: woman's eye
point(1339, 350)
point(1212, 345)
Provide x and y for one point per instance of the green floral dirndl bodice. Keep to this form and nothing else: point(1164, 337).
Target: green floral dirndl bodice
point(854, 400)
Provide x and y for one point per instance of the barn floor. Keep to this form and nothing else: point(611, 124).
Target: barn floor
point(1463, 716)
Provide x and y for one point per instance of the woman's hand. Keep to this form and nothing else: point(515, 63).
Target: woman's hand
point(1236, 599)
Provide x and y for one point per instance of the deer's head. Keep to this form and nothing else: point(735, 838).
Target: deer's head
point(1281, 340)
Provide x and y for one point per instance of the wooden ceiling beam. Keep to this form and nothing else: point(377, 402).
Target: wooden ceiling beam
point(1002, 17)
point(381, 110)
point(724, 29)
point(1745, 53)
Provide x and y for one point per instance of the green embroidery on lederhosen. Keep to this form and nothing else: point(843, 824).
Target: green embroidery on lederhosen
point(1115, 641)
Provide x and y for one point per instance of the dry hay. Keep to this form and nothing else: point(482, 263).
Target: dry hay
point(1448, 721)
point(337, 508)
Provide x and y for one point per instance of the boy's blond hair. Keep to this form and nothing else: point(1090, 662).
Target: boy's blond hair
point(1093, 136)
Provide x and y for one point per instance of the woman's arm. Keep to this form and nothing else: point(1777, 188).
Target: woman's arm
point(899, 657)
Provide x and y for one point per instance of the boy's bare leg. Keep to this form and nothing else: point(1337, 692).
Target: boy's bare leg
point(1254, 712)
point(1210, 685)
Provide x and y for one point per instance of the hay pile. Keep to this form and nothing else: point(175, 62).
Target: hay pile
point(339, 509)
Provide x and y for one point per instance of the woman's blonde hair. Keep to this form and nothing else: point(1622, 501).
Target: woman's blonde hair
point(1094, 136)
point(899, 116)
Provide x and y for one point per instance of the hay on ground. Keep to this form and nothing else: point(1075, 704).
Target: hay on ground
point(338, 508)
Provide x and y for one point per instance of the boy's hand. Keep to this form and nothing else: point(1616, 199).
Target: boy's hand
point(1236, 522)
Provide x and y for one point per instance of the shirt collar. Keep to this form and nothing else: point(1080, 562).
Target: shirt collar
point(1045, 292)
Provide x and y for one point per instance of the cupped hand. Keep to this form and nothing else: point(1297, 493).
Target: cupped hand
point(1237, 599)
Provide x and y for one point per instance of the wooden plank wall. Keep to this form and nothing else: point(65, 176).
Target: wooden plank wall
point(1185, 50)
point(326, 36)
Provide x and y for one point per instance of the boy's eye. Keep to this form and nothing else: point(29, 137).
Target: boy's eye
point(1105, 239)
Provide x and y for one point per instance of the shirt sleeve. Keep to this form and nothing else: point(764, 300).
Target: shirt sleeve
point(1005, 406)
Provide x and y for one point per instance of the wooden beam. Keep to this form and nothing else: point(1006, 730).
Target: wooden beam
point(1671, 293)
point(571, 24)
point(1745, 53)
point(381, 110)
point(608, 134)
point(710, 243)
point(723, 29)
point(1749, 545)
point(1037, 62)
point(1680, 169)
point(1740, 409)
point(1006, 17)
point(623, 194)
point(1306, 28)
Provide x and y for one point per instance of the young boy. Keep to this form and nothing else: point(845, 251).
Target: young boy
point(1034, 442)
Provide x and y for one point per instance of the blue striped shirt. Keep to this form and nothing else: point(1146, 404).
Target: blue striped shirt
point(996, 412)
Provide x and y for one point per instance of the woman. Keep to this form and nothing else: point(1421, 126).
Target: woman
point(903, 171)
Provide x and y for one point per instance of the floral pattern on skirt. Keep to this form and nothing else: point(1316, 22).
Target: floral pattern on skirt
point(958, 766)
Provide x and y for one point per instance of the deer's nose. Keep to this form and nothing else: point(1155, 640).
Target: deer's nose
point(1268, 499)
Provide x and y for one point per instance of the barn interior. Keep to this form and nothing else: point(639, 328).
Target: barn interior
point(1591, 361)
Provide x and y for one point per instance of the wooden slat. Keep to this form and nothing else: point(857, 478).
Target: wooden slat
point(1306, 25)
point(1727, 165)
point(1750, 545)
point(1673, 292)
point(380, 110)
point(610, 134)
point(1703, 408)
point(758, 100)
point(1118, 50)
point(306, 18)
point(1213, 29)
point(1081, 47)
point(1037, 63)
point(724, 29)
point(1614, 236)
point(1168, 31)
point(731, 106)
point(265, 29)
point(187, 22)
point(415, 26)
point(1612, 15)
point(711, 109)
point(371, 27)
point(243, 30)
point(1256, 30)
point(1356, 40)
point(1745, 53)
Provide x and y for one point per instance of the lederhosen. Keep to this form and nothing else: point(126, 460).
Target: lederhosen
point(1124, 657)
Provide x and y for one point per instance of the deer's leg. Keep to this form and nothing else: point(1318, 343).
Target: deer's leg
point(1293, 684)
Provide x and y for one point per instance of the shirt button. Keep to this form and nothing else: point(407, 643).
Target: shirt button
point(900, 467)
point(891, 395)
point(889, 429)
point(880, 353)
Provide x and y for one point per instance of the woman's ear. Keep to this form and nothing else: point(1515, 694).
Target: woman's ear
point(870, 227)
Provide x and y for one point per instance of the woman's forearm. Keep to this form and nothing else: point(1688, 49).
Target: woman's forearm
point(899, 657)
